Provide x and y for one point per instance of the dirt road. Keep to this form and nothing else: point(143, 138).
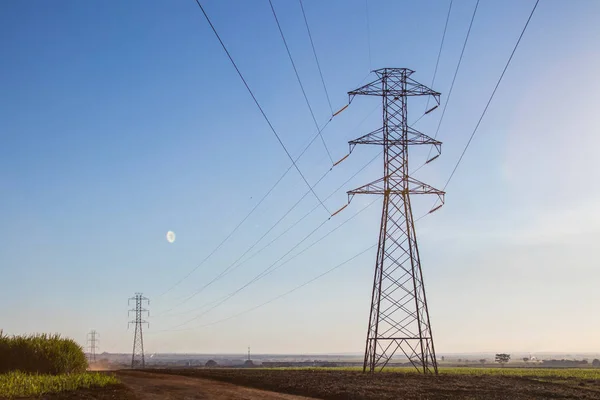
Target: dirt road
point(153, 386)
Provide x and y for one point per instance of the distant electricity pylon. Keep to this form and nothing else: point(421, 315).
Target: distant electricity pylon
point(137, 355)
point(92, 340)
point(399, 318)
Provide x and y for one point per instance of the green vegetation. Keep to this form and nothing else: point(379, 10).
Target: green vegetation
point(37, 364)
point(543, 373)
point(41, 354)
point(18, 384)
point(550, 373)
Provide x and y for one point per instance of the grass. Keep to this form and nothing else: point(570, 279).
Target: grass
point(544, 373)
point(551, 373)
point(18, 384)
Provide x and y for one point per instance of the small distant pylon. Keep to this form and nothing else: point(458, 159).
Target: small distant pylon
point(248, 353)
point(92, 340)
point(137, 355)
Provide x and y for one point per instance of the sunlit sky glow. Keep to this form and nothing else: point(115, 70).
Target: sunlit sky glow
point(94, 96)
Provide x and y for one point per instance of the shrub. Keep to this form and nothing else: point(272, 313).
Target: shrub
point(41, 354)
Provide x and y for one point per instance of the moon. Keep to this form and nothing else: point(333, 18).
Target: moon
point(170, 236)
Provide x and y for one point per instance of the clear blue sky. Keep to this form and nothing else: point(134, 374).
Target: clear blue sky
point(120, 121)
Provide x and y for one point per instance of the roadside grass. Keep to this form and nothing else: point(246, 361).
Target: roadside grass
point(543, 373)
point(18, 384)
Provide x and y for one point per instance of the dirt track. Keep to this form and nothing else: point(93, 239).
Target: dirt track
point(153, 386)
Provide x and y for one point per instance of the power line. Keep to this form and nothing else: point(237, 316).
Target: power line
point(271, 268)
point(462, 52)
point(236, 264)
point(260, 201)
point(233, 266)
point(299, 80)
point(255, 278)
point(330, 270)
point(315, 54)
point(493, 93)
point(489, 100)
point(440, 52)
point(230, 234)
point(255, 207)
point(251, 247)
point(259, 106)
point(368, 32)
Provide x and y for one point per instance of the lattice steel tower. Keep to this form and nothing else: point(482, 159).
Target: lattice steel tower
point(399, 318)
point(137, 355)
point(92, 339)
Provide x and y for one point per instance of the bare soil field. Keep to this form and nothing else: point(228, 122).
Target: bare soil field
point(331, 384)
point(154, 386)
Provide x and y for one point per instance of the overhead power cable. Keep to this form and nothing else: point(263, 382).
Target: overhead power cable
point(437, 63)
point(260, 108)
point(368, 32)
point(462, 52)
point(252, 246)
point(491, 98)
point(493, 93)
point(253, 209)
point(237, 263)
point(271, 268)
point(300, 81)
point(316, 58)
point(230, 234)
point(330, 270)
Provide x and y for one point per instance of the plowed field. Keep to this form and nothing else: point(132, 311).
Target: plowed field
point(339, 384)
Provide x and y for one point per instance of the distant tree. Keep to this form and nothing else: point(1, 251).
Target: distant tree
point(502, 358)
point(525, 359)
point(460, 360)
point(443, 358)
point(483, 361)
point(211, 364)
point(596, 362)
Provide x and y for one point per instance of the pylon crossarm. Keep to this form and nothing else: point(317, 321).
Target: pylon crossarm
point(374, 137)
point(418, 187)
point(370, 89)
point(375, 187)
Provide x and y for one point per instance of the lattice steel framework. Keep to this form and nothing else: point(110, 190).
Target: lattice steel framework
point(137, 355)
point(92, 339)
point(399, 319)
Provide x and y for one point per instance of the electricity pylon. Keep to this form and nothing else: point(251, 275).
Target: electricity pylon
point(92, 340)
point(137, 355)
point(399, 318)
